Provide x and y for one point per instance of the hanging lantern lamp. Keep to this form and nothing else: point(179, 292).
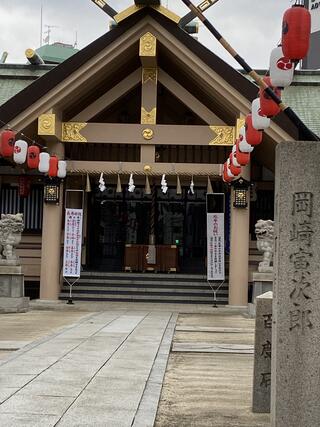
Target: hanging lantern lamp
point(267, 105)
point(235, 170)
point(44, 159)
point(259, 121)
point(242, 158)
point(243, 143)
point(62, 169)
point(20, 151)
point(281, 68)
point(253, 136)
point(7, 141)
point(53, 166)
point(33, 157)
point(296, 28)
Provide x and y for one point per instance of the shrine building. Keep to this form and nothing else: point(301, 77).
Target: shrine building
point(145, 101)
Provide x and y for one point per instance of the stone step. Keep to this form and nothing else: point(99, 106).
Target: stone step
point(146, 283)
point(141, 290)
point(151, 298)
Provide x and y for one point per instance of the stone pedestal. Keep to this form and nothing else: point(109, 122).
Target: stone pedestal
point(262, 283)
point(262, 354)
point(12, 299)
point(295, 389)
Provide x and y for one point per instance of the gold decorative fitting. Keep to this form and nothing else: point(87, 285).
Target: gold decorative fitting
point(100, 3)
point(205, 5)
point(71, 132)
point(224, 135)
point(127, 12)
point(147, 134)
point(148, 45)
point(47, 124)
point(148, 117)
point(168, 13)
point(149, 74)
point(240, 123)
point(147, 168)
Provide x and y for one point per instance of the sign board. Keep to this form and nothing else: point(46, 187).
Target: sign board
point(314, 8)
point(72, 243)
point(215, 237)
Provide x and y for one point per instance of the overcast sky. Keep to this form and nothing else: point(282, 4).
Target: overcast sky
point(253, 27)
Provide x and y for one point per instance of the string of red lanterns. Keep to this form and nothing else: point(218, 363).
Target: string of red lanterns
point(23, 153)
point(295, 41)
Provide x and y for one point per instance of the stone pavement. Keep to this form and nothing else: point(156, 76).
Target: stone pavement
point(104, 365)
point(105, 370)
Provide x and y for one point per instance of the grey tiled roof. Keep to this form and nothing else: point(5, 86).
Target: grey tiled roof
point(14, 78)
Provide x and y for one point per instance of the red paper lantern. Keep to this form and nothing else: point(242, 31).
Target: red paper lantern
point(235, 170)
point(53, 166)
point(296, 28)
point(8, 138)
point(253, 136)
point(33, 157)
point(267, 106)
point(24, 186)
point(242, 158)
point(225, 176)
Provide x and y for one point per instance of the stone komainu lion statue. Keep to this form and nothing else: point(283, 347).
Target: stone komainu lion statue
point(11, 227)
point(264, 231)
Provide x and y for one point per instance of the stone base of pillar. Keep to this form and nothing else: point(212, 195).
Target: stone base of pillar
point(262, 283)
point(12, 299)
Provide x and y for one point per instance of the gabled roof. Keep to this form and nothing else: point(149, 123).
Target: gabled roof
point(20, 102)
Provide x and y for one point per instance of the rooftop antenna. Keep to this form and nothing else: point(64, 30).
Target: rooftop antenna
point(41, 24)
point(48, 33)
point(76, 41)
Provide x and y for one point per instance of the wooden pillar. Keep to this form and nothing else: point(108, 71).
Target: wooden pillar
point(51, 228)
point(239, 248)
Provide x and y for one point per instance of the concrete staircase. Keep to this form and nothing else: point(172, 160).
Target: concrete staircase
point(145, 287)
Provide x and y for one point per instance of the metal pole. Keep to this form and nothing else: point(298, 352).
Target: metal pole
point(304, 132)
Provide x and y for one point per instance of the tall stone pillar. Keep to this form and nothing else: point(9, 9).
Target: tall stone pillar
point(51, 242)
point(239, 251)
point(295, 366)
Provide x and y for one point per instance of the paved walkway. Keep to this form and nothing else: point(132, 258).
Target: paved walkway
point(105, 370)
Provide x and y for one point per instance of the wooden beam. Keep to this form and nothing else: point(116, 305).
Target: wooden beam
point(107, 99)
point(114, 133)
point(156, 169)
point(188, 99)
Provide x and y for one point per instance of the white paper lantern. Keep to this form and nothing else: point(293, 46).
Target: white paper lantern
point(281, 68)
point(243, 145)
point(62, 169)
point(44, 162)
point(234, 158)
point(259, 121)
point(20, 151)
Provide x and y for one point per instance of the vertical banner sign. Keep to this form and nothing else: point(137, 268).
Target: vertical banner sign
point(72, 243)
point(215, 237)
